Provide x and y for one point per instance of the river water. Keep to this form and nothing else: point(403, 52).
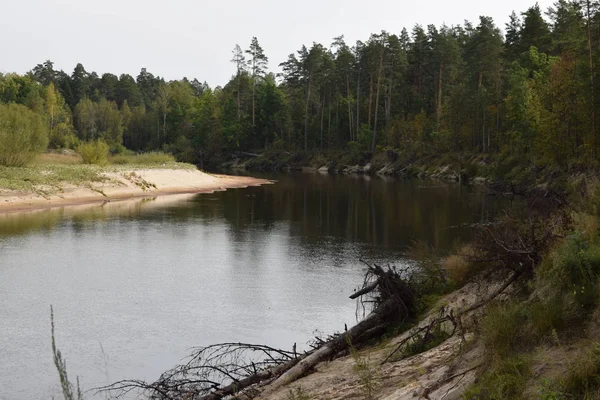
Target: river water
point(136, 284)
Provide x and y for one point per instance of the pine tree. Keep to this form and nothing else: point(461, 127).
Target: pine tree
point(257, 64)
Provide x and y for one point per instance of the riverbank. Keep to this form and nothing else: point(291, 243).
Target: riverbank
point(410, 163)
point(67, 185)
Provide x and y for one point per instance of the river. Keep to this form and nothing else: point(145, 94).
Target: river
point(136, 284)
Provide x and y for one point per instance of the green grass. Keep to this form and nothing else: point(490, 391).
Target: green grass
point(48, 177)
point(582, 380)
point(151, 158)
point(503, 379)
point(51, 173)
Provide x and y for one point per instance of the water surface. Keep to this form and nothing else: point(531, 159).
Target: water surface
point(136, 284)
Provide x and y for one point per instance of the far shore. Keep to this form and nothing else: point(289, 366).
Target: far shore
point(124, 185)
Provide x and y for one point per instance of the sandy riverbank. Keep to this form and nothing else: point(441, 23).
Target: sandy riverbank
point(122, 185)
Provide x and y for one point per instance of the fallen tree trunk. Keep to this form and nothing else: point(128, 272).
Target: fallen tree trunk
point(341, 342)
point(365, 290)
point(245, 383)
point(229, 369)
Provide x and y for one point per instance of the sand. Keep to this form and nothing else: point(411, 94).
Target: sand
point(126, 185)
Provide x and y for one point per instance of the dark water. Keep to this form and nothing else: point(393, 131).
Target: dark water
point(135, 284)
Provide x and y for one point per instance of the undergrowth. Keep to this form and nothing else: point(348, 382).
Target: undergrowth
point(556, 305)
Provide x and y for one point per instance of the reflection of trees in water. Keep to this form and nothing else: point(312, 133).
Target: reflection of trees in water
point(389, 214)
point(313, 208)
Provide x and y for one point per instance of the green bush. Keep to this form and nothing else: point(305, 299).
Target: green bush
point(95, 152)
point(23, 134)
point(573, 270)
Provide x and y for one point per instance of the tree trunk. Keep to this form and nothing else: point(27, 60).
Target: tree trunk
point(306, 113)
point(357, 106)
point(239, 112)
point(438, 108)
point(349, 107)
point(377, 101)
point(592, 86)
point(253, 102)
point(329, 118)
point(343, 341)
point(164, 125)
point(370, 101)
point(322, 116)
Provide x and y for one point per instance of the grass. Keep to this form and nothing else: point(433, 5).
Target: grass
point(503, 379)
point(57, 158)
point(51, 172)
point(421, 344)
point(582, 380)
point(50, 177)
point(152, 158)
point(298, 394)
point(365, 373)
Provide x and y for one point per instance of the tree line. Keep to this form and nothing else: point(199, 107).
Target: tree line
point(530, 92)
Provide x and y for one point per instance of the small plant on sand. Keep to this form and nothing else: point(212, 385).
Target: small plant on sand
point(297, 394)
point(366, 375)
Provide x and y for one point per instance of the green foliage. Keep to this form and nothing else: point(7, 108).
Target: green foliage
point(23, 134)
point(99, 120)
point(572, 270)
point(151, 158)
point(531, 96)
point(94, 152)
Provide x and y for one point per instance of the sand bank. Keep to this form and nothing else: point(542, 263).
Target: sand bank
point(125, 185)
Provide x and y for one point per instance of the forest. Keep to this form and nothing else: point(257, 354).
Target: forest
point(529, 91)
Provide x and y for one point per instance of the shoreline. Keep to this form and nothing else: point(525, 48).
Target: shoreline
point(125, 185)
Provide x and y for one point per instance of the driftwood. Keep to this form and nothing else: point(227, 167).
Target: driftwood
point(394, 301)
point(232, 369)
point(373, 320)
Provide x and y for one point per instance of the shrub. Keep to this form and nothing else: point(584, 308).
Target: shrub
point(23, 134)
point(459, 267)
point(573, 270)
point(318, 161)
point(95, 152)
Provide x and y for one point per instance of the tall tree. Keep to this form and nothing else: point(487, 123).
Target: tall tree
point(257, 64)
point(240, 62)
point(535, 31)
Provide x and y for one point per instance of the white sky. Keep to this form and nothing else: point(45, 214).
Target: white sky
point(194, 38)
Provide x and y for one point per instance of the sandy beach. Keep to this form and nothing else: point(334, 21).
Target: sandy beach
point(123, 185)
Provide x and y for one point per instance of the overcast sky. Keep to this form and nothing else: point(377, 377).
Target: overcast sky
point(194, 38)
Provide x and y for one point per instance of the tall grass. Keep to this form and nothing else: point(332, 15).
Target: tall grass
point(70, 392)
